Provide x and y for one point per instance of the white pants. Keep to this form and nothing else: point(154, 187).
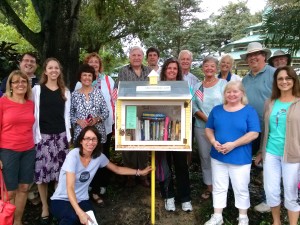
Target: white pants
point(274, 169)
point(240, 178)
point(204, 148)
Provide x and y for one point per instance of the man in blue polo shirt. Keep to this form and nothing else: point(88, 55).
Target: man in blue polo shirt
point(258, 85)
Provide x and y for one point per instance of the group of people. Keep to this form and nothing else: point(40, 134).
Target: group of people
point(256, 117)
point(234, 119)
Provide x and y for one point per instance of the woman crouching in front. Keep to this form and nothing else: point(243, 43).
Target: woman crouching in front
point(70, 201)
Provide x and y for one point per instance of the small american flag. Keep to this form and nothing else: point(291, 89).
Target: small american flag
point(114, 94)
point(200, 93)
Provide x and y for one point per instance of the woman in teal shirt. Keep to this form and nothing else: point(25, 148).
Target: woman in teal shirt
point(281, 147)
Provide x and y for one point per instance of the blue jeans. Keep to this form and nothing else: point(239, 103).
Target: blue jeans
point(64, 212)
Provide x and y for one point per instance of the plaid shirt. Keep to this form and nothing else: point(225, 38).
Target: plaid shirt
point(127, 74)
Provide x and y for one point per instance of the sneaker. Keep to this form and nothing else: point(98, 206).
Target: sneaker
point(170, 204)
point(243, 221)
point(262, 207)
point(187, 206)
point(102, 190)
point(215, 220)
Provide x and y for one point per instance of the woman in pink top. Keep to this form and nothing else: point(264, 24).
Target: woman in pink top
point(17, 151)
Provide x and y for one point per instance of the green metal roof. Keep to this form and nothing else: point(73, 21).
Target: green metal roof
point(236, 55)
point(244, 40)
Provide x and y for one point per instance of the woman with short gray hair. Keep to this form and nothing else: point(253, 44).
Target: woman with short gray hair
point(207, 94)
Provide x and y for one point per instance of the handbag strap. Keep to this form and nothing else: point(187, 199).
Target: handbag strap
point(111, 98)
point(3, 188)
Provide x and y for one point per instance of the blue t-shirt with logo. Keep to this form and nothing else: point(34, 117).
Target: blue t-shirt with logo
point(84, 175)
point(230, 126)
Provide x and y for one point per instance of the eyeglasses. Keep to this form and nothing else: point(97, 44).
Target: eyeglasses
point(281, 79)
point(88, 139)
point(19, 82)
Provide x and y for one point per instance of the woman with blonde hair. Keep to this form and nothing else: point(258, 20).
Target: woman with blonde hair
point(231, 127)
point(226, 64)
point(17, 151)
point(52, 129)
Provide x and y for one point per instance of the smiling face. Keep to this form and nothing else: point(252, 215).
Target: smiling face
point(256, 61)
point(233, 95)
point(172, 71)
point(94, 62)
point(152, 58)
point(285, 83)
point(52, 70)
point(185, 61)
point(86, 79)
point(209, 69)
point(28, 65)
point(280, 61)
point(136, 58)
point(89, 142)
point(18, 85)
point(225, 65)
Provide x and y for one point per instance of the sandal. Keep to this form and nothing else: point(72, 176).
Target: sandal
point(97, 200)
point(45, 220)
point(206, 195)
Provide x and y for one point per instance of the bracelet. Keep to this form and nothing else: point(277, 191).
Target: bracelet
point(137, 173)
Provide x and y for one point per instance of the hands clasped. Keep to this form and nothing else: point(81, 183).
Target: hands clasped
point(224, 148)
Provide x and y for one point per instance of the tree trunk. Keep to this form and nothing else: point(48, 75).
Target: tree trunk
point(60, 28)
point(59, 32)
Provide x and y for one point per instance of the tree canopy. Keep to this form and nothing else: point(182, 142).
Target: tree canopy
point(282, 24)
point(67, 29)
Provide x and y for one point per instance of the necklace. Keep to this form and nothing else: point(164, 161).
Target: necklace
point(208, 82)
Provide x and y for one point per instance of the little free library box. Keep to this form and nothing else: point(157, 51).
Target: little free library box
point(153, 117)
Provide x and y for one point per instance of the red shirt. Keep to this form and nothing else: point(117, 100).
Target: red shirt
point(16, 121)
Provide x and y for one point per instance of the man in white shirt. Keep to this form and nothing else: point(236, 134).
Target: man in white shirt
point(185, 59)
point(152, 56)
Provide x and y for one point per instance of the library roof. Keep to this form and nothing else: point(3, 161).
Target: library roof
point(163, 90)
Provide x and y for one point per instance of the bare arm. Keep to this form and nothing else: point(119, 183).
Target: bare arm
point(211, 137)
point(245, 139)
point(83, 217)
point(200, 115)
point(128, 171)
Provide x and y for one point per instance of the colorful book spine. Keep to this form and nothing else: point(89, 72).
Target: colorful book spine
point(166, 128)
point(153, 118)
point(150, 114)
point(177, 130)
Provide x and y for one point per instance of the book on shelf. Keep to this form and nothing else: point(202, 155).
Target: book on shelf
point(138, 130)
point(151, 114)
point(166, 128)
point(153, 118)
point(147, 130)
point(155, 127)
point(142, 125)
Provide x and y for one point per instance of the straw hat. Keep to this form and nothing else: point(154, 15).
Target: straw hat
point(255, 47)
point(277, 54)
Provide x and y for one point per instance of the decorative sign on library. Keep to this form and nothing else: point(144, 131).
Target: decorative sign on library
point(153, 117)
